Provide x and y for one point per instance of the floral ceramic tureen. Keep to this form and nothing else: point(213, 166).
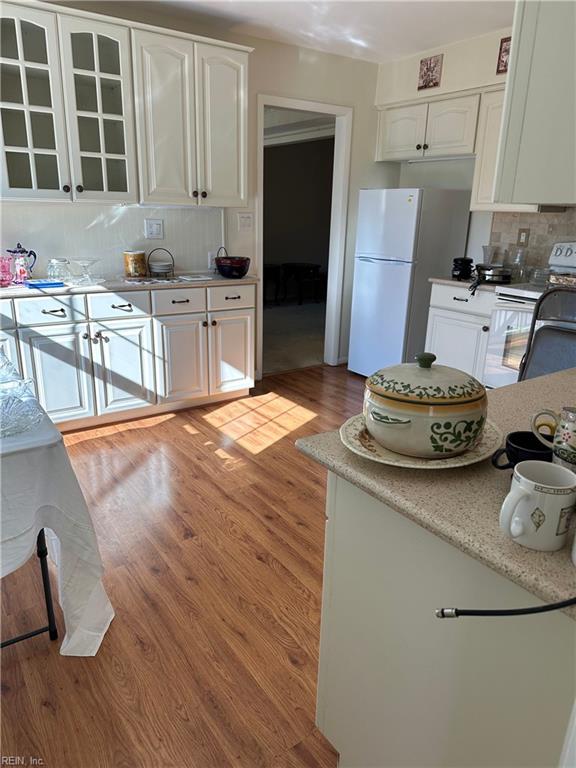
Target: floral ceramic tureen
point(425, 410)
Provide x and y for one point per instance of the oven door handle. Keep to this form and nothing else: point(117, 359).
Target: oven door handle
point(502, 302)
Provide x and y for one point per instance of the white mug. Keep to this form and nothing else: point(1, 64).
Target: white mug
point(536, 513)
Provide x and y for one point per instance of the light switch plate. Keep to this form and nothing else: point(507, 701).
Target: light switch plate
point(154, 229)
point(245, 222)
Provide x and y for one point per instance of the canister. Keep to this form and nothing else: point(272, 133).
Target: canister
point(134, 263)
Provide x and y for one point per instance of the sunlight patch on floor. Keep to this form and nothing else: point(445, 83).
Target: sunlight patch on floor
point(74, 438)
point(256, 423)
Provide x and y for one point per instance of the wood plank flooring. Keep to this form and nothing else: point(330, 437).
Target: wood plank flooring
point(211, 528)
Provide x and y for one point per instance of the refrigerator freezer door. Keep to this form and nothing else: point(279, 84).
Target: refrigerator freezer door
point(379, 313)
point(387, 223)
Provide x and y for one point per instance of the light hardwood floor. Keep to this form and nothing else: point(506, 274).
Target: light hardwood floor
point(211, 528)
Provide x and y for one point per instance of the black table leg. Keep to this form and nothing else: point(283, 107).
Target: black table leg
point(42, 552)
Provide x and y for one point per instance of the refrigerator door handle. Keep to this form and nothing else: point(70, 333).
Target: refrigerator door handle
point(385, 261)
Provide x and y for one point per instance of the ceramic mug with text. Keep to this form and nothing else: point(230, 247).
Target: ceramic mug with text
point(536, 513)
point(563, 427)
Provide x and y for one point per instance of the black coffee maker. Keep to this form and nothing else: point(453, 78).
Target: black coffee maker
point(462, 268)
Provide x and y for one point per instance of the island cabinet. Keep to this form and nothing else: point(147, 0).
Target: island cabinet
point(191, 120)
point(399, 687)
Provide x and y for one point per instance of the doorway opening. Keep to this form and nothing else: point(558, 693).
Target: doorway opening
point(302, 197)
point(298, 175)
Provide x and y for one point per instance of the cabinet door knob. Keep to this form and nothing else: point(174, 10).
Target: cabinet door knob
point(66, 188)
point(204, 194)
point(418, 146)
point(195, 193)
point(86, 336)
point(79, 188)
point(205, 323)
point(425, 146)
point(485, 328)
point(214, 322)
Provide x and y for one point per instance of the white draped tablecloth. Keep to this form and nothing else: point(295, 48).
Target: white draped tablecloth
point(39, 490)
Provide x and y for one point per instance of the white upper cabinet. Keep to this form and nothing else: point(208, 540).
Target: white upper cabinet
point(34, 149)
point(401, 132)
point(487, 140)
point(439, 129)
point(97, 76)
point(451, 126)
point(164, 88)
point(537, 156)
point(222, 93)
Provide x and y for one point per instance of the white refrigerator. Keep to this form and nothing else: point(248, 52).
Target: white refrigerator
point(404, 237)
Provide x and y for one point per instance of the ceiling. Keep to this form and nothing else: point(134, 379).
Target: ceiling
point(381, 30)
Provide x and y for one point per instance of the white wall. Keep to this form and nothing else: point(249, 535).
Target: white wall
point(467, 64)
point(301, 73)
point(93, 230)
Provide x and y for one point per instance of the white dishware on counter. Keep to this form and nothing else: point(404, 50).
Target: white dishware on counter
point(357, 439)
point(425, 410)
point(563, 428)
point(536, 512)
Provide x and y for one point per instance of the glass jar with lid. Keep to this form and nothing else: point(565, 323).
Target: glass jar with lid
point(58, 269)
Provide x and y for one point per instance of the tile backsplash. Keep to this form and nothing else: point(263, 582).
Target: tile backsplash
point(93, 230)
point(545, 230)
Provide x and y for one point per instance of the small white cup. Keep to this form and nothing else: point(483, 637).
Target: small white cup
point(536, 513)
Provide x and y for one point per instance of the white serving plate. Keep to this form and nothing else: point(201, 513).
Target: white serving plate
point(357, 439)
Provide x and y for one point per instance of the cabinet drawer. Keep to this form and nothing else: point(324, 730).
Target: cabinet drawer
point(231, 296)
point(178, 300)
point(6, 314)
point(102, 306)
point(459, 298)
point(50, 309)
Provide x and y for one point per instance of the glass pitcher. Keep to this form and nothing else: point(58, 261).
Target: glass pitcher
point(23, 261)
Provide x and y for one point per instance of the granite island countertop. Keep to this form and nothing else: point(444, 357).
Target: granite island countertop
point(462, 505)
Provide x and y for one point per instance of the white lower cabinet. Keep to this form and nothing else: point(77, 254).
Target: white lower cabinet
point(58, 358)
point(231, 350)
point(181, 347)
point(9, 346)
point(458, 340)
point(123, 364)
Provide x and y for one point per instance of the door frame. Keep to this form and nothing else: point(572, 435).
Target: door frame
point(338, 218)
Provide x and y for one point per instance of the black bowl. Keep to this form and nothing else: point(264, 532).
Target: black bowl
point(232, 266)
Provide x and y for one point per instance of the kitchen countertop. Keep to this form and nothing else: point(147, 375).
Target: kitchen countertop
point(462, 506)
point(19, 292)
point(462, 283)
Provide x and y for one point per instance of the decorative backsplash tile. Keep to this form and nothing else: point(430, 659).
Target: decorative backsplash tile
point(545, 230)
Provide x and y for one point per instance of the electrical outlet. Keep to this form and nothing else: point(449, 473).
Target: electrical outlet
point(154, 229)
point(523, 237)
point(212, 261)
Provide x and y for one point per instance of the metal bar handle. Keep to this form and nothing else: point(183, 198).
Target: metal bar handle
point(231, 298)
point(458, 298)
point(61, 312)
point(127, 307)
point(180, 301)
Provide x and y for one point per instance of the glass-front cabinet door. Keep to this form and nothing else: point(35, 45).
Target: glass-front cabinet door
point(98, 91)
point(34, 148)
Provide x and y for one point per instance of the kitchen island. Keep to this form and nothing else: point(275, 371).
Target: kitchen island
point(399, 687)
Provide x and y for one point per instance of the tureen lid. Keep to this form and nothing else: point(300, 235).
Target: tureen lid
point(422, 382)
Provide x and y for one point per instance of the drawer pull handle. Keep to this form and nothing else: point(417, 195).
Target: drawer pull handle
point(61, 312)
point(457, 298)
point(231, 298)
point(127, 307)
point(180, 301)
